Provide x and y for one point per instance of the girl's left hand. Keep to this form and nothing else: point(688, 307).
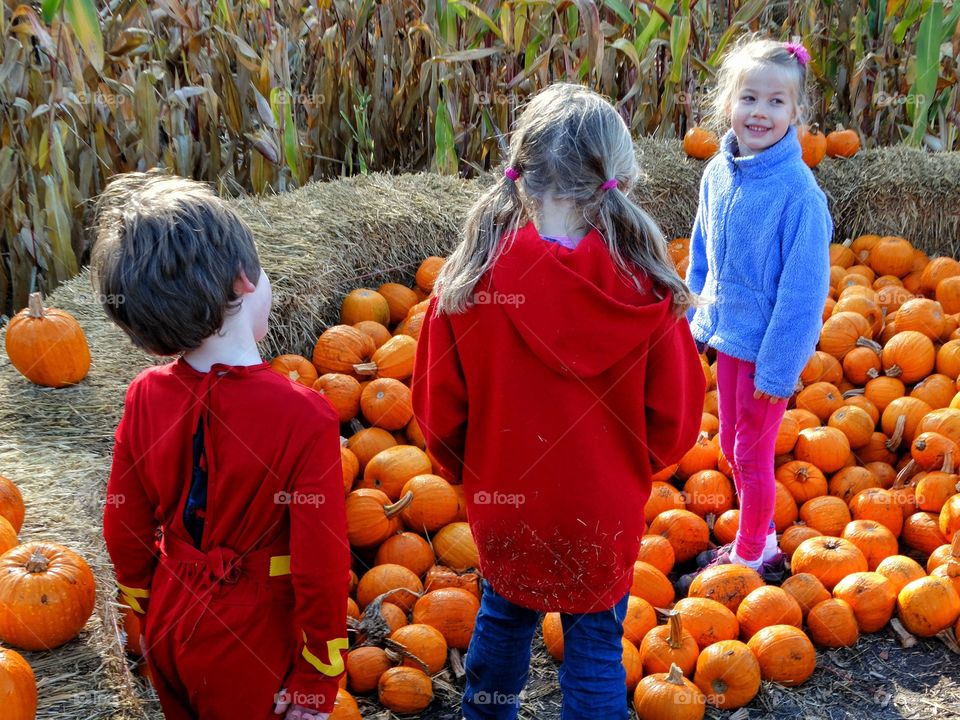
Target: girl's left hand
point(759, 395)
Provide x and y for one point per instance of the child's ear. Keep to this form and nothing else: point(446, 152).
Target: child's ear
point(242, 285)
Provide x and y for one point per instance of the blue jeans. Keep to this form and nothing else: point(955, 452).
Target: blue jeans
point(592, 677)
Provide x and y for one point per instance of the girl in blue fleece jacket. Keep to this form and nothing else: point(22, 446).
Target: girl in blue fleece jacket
point(759, 257)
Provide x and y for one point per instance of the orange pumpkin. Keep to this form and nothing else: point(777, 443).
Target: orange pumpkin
point(343, 393)
point(686, 531)
point(813, 145)
point(390, 469)
point(657, 550)
point(386, 403)
point(855, 423)
point(8, 536)
point(368, 443)
point(820, 398)
point(552, 630)
point(452, 611)
point(11, 503)
point(900, 570)
point(807, 590)
point(862, 364)
point(725, 527)
point(393, 359)
point(708, 491)
point(728, 674)
point(455, 547)
point(663, 497)
point(841, 333)
point(424, 643)
point(871, 596)
point(727, 584)
point(832, 623)
point(669, 644)
point(879, 505)
point(409, 550)
point(785, 653)
point(640, 619)
point(802, 479)
point(921, 532)
point(341, 347)
point(377, 332)
point(700, 143)
point(365, 665)
point(928, 605)
point(47, 594)
point(892, 255)
point(936, 390)
point(920, 315)
point(18, 687)
point(440, 576)
point(707, 620)
point(948, 294)
point(842, 143)
point(399, 299)
point(766, 606)
point(364, 304)
point(295, 367)
point(402, 583)
point(371, 517)
point(427, 273)
point(828, 514)
point(434, 503)
point(47, 346)
point(668, 695)
point(829, 559)
point(825, 447)
point(794, 535)
point(651, 585)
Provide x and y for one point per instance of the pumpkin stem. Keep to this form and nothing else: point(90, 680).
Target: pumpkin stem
point(675, 676)
point(391, 510)
point(38, 562)
point(955, 545)
point(367, 368)
point(893, 371)
point(851, 393)
point(356, 426)
point(676, 630)
point(909, 470)
point(894, 442)
point(872, 344)
point(848, 242)
point(35, 305)
point(948, 462)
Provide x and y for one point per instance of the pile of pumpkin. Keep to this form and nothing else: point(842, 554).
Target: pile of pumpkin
point(47, 593)
point(702, 144)
point(867, 501)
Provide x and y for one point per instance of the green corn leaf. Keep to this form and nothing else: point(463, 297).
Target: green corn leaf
point(621, 10)
point(653, 26)
point(484, 18)
point(49, 10)
point(85, 23)
point(627, 48)
point(679, 40)
point(291, 141)
point(749, 12)
point(913, 12)
point(928, 70)
point(950, 24)
point(445, 157)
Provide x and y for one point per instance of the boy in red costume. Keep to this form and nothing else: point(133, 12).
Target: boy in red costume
point(226, 523)
point(555, 374)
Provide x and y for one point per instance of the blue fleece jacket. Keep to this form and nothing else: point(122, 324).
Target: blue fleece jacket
point(759, 254)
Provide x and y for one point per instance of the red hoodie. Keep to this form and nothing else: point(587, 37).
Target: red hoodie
point(554, 398)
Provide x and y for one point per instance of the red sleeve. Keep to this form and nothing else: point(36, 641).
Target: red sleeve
point(440, 393)
point(674, 392)
point(319, 567)
point(129, 520)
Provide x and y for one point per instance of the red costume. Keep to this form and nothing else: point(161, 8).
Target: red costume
point(554, 398)
point(261, 604)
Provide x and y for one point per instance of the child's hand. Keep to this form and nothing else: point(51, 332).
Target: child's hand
point(759, 395)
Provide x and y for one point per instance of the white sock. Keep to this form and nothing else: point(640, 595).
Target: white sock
point(770, 548)
point(737, 560)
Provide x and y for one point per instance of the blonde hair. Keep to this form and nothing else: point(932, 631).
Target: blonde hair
point(168, 249)
point(747, 54)
point(567, 141)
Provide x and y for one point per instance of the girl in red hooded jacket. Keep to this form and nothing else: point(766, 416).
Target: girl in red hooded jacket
point(555, 374)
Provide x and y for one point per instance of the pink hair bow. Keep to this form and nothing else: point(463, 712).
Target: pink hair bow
point(798, 51)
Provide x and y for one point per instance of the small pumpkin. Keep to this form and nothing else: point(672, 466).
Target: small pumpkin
point(668, 696)
point(872, 597)
point(47, 593)
point(832, 623)
point(843, 143)
point(434, 503)
point(402, 583)
point(18, 687)
point(878, 505)
point(345, 707)
point(700, 143)
point(11, 503)
point(371, 518)
point(399, 299)
point(687, 532)
point(364, 304)
point(386, 403)
point(651, 584)
point(408, 549)
point(390, 469)
point(455, 547)
point(341, 347)
point(666, 645)
point(8, 536)
point(47, 346)
point(657, 550)
point(427, 273)
point(369, 442)
point(765, 606)
point(452, 611)
point(785, 654)
point(892, 255)
point(825, 447)
point(342, 392)
point(828, 514)
point(394, 359)
point(552, 629)
point(928, 605)
point(421, 646)
point(794, 535)
point(441, 576)
point(663, 497)
point(640, 619)
point(295, 367)
point(813, 145)
point(365, 665)
point(727, 584)
point(803, 480)
point(376, 332)
point(830, 559)
point(728, 674)
point(807, 590)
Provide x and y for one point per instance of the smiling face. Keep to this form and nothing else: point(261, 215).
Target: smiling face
point(763, 109)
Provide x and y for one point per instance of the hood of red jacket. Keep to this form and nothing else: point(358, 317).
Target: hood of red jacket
point(573, 308)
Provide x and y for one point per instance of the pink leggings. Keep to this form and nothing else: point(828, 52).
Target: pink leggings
point(748, 436)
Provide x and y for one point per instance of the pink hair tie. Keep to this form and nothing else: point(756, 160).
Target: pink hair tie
point(512, 174)
point(798, 51)
point(610, 184)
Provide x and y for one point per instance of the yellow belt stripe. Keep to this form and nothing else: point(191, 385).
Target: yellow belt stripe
point(335, 650)
point(133, 592)
point(279, 565)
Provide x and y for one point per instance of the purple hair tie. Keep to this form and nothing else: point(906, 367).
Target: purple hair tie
point(798, 51)
point(610, 184)
point(512, 174)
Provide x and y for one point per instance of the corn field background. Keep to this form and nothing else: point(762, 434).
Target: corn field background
point(259, 96)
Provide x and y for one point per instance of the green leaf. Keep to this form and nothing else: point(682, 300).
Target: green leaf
point(679, 40)
point(627, 48)
point(749, 12)
point(445, 155)
point(621, 10)
point(49, 10)
point(291, 141)
point(653, 26)
point(484, 18)
point(910, 17)
point(85, 23)
point(950, 24)
point(928, 70)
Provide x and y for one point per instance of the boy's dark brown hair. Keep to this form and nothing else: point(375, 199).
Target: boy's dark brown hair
point(166, 255)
